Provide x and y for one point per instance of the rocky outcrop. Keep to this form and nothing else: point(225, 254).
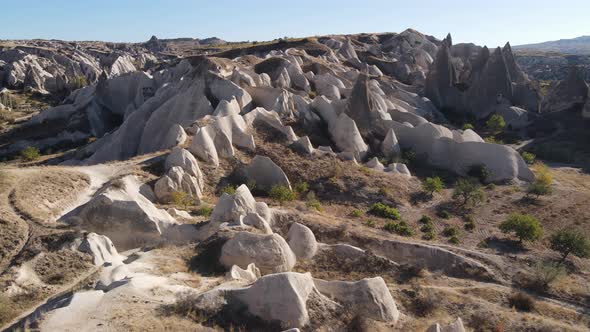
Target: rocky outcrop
point(567, 94)
point(121, 213)
point(302, 241)
point(100, 248)
point(177, 180)
point(270, 253)
point(264, 173)
point(456, 326)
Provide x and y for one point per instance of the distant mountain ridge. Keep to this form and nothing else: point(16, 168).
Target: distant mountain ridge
point(578, 46)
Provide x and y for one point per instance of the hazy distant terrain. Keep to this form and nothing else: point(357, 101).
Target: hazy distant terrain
point(578, 45)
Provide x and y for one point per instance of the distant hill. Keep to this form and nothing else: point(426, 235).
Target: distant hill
point(578, 46)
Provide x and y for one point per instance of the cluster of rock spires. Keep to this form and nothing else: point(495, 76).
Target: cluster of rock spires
point(58, 68)
point(219, 101)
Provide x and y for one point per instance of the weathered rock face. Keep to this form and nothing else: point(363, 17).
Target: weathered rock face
point(567, 94)
point(123, 214)
point(100, 248)
point(270, 253)
point(390, 145)
point(470, 79)
point(456, 326)
point(177, 180)
point(230, 208)
point(370, 298)
point(302, 241)
point(265, 174)
point(250, 274)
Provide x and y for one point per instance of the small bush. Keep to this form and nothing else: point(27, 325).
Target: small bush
point(432, 185)
point(370, 223)
point(528, 157)
point(454, 239)
point(180, 198)
point(312, 202)
point(496, 123)
point(491, 186)
point(384, 211)
point(443, 214)
point(30, 153)
point(400, 228)
point(524, 226)
point(450, 231)
point(251, 185)
point(425, 303)
point(545, 274)
point(470, 191)
point(408, 157)
point(301, 187)
point(480, 172)
point(282, 194)
point(425, 220)
point(427, 228)
point(356, 213)
point(538, 189)
point(204, 211)
point(468, 126)
point(429, 236)
point(230, 190)
point(521, 302)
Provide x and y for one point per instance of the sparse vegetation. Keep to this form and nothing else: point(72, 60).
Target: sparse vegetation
point(544, 275)
point(525, 227)
point(370, 223)
point(450, 231)
point(204, 211)
point(521, 302)
point(468, 126)
point(425, 220)
point(301, 187)
point(432, 185)
point(229, 189)
point(356, 213)
point(384, 211)
point(312, 202)
point(568, 241)
point(543, 181)
point(529, 157)
point(480, 172)
point(442, 213)
point(454, 239)
point(427, 228)
point(180, 198)
point(429, 236)
point(282, 194)
point(30, 153)
point(400, 228)
point(470, 191)
point(496, 123)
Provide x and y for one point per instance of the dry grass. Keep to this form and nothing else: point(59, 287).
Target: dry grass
point(42, 193)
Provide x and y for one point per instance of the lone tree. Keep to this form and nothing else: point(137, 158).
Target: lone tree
point(432, 185)
point(568, 241)
point(470, 191)
point(524, 226)
point(496, 123)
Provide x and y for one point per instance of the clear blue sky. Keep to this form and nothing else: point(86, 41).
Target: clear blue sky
point(490, 22)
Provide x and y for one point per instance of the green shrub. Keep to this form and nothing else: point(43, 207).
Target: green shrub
point(432, 185)
point(569, 241)
point(204, 211)
point(480, 172)
point(491, 186)
point(229, 189)
point(30, 153)
point(468, 126)
point(312, 202)
point(356, 213)
point(528, 157)
point(301, 187)
point(443, 214)
point(282, 194)
point(370, 223)
point(408, 156)
point(384, 211)
point(524, 226)
point(251, 185)
point(470, 190)
point(545, 274)
point(425, 220)
point(400, 228)
point(493, 140)
point(427, 228)
point(538, 188)
point(454, 239)
point(450, 231)
point(429, 236)
point(496, 123)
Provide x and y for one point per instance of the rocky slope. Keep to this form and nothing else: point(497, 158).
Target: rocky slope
point(196, 190)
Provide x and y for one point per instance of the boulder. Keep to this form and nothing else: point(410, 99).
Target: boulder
point(375, 164)
point(399, 168)
point(179, 213)
point(177, 180)
point(184, 159)
point(390, 146)
point(347, 137)
point(249, 275)
point(302, 241)
point(270, 253)
point(265, 174)
point(230, 208)
point(370, 298)
point(279, 297)
point(176, 136)
point(256, 221)
point(567, 94)
point(303, 146)
point(100, 248)
point(122, 213)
